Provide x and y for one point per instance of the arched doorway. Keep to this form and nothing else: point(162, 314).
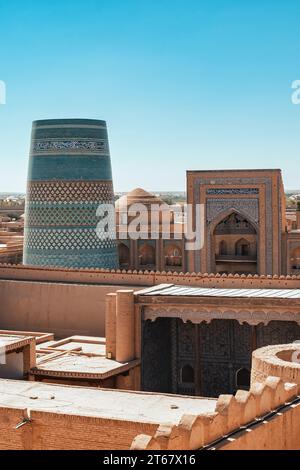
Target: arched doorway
point(147, 255)
point(234, 242)
point(186, 384)
point(124, 256)
point(187, 374)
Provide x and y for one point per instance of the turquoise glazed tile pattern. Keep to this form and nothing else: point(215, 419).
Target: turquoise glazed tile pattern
point(69, 176)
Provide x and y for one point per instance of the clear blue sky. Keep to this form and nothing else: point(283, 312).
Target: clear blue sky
point(182, 84)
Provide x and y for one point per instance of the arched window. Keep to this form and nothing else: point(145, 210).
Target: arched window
point(173, 255)
point(234, 239)
point(124, 255)
point(187, 374)
point(223, 248)
point(242, 247)
point(243, 378)
point(295, 259)
point(146, 254)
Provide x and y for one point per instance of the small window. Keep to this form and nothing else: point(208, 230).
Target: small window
point(187, 374)
point(243, 378)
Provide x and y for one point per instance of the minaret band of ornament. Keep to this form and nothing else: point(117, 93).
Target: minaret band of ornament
point(69, 177)
point(48, 145)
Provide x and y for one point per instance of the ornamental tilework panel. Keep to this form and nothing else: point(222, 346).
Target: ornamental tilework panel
point(90, 260)
point(70, 239)
point(69, 177)
point(231, 191)
point(75, 215)
point(69, 167)
point(156, 356)
point(250, 207)
point(69, 191)
point(98, 146)
point(215, 351)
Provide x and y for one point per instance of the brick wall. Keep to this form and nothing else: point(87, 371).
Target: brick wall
point(50, 431)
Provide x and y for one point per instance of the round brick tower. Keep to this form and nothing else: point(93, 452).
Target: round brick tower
point(69, 177)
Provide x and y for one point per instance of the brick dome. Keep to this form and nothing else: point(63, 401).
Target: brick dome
point(140, 196)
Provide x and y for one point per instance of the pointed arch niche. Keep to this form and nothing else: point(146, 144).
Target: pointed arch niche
point(234, 241)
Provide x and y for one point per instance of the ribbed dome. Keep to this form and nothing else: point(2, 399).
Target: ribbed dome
point(138, 195)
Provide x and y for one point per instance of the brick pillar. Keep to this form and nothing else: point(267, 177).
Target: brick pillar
point(29, 357)
point(110, 326)
point(125, 326)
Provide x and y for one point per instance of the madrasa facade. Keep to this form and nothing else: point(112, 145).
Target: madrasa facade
point(246, 228)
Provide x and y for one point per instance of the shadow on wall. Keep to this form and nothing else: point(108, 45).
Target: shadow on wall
point(63, 309)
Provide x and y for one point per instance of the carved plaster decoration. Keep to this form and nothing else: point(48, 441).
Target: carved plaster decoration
point(199, 315)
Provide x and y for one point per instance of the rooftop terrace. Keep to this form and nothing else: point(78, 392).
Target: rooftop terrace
point(10, 342)
point(101, 403)
point(77, 356)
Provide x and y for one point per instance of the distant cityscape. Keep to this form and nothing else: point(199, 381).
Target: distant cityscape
point(8, 200)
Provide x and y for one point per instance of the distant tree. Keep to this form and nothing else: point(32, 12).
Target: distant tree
point(290, 203)
point(168, 199)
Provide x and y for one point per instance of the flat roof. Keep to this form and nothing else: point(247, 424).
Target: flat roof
point(85, 344)
point(239, 170)
point(175, 290)
point(40, 337)
point(78, 357)
point(140, 407)
point(80, 365)
point(12, 342)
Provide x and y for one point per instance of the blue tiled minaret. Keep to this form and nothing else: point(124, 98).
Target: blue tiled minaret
point(69, 176)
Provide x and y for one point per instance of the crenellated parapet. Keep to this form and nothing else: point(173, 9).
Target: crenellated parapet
point(272, 402)
point(146, 278)
point(233, 413)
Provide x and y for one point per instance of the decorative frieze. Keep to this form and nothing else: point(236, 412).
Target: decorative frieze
point(199, 314)
point(231, 191)
point(47, 146)
point(70, 191)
